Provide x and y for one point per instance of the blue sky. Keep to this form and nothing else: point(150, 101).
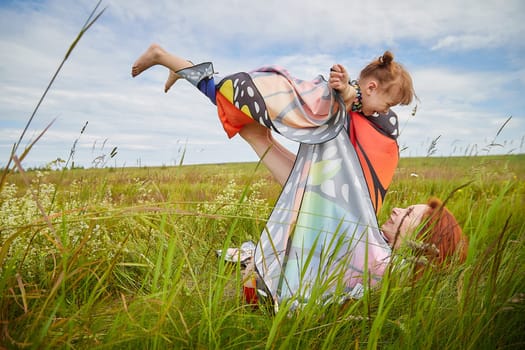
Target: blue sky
point(466, 59)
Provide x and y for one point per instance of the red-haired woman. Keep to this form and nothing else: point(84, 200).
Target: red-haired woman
point(434, 226)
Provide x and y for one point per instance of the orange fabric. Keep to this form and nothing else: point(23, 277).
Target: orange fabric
point(231, 117)
point(378, 155)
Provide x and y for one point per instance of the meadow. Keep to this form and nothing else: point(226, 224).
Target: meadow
point(125, 258)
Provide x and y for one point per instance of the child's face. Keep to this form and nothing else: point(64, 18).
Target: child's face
point(375, 100)
point(404, 221)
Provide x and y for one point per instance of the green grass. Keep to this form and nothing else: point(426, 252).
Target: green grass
point(125, 258)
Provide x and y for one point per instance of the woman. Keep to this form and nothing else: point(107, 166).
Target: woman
point(431, 230)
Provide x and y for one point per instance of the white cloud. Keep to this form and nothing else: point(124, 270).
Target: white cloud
point(462, 108)
point(459, 101)
point(466, 42)
point(331, 23)
point(440, 86)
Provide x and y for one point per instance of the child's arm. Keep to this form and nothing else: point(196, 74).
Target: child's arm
point(339, 80)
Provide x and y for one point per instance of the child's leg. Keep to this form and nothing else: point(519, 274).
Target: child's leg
point(155, 55)
point(274, 156)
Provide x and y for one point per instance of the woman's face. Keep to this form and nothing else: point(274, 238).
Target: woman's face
point(404, 221)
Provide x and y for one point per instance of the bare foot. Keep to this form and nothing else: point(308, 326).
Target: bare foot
point(172, 78)
point(147, 59)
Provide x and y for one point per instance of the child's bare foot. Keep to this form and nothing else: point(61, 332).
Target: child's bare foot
point(147, 59)
point(172, 78)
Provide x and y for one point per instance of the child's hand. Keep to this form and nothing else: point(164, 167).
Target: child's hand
point(338, 78)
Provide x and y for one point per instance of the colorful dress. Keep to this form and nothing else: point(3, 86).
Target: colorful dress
point(322, 238)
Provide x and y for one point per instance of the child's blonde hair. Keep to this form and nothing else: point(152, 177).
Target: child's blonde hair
point(390, 74)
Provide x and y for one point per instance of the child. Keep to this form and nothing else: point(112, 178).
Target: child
point(382, 84)
point(324, 222)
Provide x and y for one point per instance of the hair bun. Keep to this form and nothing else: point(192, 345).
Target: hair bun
point(386, 59)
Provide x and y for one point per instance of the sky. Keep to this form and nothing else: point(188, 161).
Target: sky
point(466, 59)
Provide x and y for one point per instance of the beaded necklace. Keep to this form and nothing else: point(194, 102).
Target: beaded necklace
point(357, 105)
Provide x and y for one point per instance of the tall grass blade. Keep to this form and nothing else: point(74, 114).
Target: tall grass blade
point(89, 22)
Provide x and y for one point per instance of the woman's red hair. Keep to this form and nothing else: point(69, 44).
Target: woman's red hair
point(443, 231)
